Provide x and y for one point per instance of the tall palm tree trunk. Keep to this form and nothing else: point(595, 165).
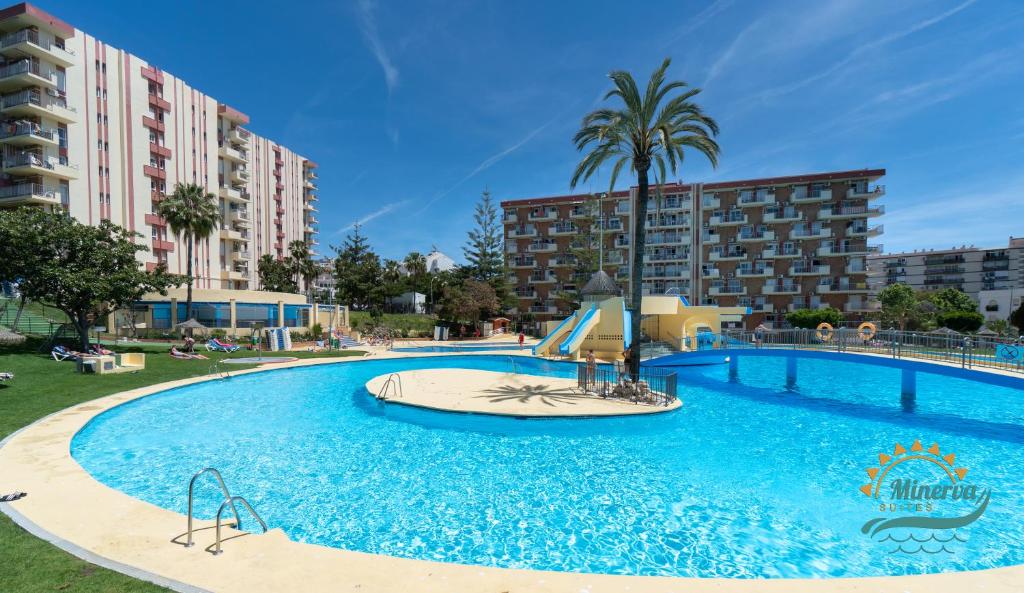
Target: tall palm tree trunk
point(637, 279)
point(188, 270)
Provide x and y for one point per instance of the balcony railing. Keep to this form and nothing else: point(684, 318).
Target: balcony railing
point(28, 67)
point(27, 129)
point(29, 189)
point(33, 37)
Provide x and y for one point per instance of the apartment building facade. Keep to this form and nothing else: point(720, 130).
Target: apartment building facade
point(973, 270)
point(774, 244)
point(103, 135)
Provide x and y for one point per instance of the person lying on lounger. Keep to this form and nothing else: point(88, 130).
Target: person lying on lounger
point(61, 353)
point(98, 349)
point(185, 355)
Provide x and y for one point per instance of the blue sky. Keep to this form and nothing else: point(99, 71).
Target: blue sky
point(412, 109)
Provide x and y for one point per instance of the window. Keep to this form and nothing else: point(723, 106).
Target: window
point(101, 172)
point(99, 144)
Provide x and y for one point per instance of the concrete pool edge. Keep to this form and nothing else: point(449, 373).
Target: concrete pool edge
point(130, 536)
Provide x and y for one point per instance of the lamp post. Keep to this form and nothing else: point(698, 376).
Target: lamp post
point(433, 307)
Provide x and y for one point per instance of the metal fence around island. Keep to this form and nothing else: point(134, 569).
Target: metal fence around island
point(655, 385)
point(966, 351)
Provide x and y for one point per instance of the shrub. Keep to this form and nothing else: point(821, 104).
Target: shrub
point(811, 318)
point(317, 330)
point(220, 334)
point(961, 321)
point(1017, 318)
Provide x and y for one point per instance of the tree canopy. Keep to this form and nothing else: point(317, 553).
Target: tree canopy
point(86, 271)
point(275, 275)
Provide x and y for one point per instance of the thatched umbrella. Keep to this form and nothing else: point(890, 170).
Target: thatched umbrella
point(9, 338)
point(188, 326)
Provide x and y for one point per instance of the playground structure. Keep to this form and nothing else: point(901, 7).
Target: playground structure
point(604, 326)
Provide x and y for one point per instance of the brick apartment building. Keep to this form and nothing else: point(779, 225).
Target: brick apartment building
point(775, 244)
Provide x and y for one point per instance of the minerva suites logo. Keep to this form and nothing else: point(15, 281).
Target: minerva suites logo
point(924, 500)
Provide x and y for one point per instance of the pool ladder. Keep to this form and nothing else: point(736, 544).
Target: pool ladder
point(215, 369)
point(229, 501)
point(515, 366)
point(394, 381)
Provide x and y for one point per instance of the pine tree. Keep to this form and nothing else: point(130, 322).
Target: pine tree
point(357, 271)
point(483, 248)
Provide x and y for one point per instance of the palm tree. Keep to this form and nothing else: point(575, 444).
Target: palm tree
point(192, 213)
point(416, 267)
point(649, 129)
point(301, 264)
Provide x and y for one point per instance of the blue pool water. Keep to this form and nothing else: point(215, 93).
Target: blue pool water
point(432, 349)
point(748, 479)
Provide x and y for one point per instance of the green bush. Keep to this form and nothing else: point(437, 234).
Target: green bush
point(220, 334)
point(811, 318)
point(317, 330)
point(961, 321)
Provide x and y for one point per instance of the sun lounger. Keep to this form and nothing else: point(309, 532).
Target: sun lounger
point(60, 353)
point(215, 345)
point(6, 376)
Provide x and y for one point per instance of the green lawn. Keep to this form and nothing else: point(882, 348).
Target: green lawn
point(42, 386)
point(423, 324)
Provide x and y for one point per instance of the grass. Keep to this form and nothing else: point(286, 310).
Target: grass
point(422, 324)
point(42, 386)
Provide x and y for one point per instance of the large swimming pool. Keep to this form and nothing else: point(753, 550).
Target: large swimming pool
point(461, 348)
point(749, 479)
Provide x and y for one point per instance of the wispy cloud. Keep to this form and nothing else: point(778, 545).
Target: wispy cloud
point(368, 25)
point(860, 51)
point(951, 217)
point(491, 161)
point(730, 52)
point(700, 19)
point(372, 216)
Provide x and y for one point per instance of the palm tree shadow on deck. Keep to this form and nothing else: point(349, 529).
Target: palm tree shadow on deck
point(537, 392)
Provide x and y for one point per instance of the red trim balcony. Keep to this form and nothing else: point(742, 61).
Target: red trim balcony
point(279, 211)
point(163, 245)
point(159, 102)
point(280, 235)
point(151, 123)
point(233, 114)
point(154, 172)
point(157, 196)
point(154, 220)
point(150, 266)
point(279, 187)
point(159, 150)
point(151, 73)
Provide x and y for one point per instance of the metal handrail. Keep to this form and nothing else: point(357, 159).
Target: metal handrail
point(515, 366)
point(227, 500)
point(394, 380)
point(217, 551)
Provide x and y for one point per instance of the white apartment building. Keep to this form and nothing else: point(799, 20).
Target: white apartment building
point(974, 270)
point(104, 135)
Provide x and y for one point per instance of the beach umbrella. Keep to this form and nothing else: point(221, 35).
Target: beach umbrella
point(188, 326)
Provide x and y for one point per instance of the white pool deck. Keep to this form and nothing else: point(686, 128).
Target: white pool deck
point(68, 507)
point(502, 394)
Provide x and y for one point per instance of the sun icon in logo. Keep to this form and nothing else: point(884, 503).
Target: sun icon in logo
point(901, 455)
